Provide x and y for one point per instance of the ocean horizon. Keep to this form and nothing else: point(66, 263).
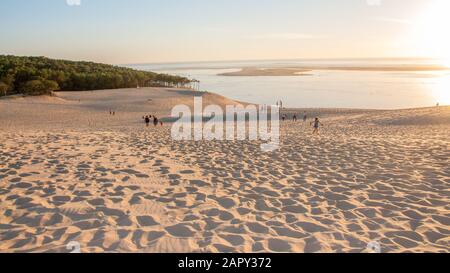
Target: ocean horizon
point(322, 88)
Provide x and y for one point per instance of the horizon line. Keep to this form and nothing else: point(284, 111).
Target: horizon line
point(284, 59)
point(234, 60)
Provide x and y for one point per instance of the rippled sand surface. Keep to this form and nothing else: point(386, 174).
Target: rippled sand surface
point(71, 172)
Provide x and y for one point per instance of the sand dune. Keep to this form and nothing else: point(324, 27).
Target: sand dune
point(71, 172)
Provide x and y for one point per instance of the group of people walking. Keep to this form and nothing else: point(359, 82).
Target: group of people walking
point(316, 123)
point(152, 118)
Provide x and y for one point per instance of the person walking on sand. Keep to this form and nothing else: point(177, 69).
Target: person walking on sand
point(155, 121)
point(316, 126)
point(295, 118)
point(147, 121)
point(305, 117)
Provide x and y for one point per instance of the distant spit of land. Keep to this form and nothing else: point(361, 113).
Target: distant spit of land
point(307, 70)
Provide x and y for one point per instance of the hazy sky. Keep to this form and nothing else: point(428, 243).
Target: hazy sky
point(137, 31)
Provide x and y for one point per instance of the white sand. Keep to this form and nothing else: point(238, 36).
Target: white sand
point(71, 172)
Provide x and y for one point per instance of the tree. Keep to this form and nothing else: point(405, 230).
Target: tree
point(32, 75)
point(39, 87)
point(50, 86)
point(3, 88)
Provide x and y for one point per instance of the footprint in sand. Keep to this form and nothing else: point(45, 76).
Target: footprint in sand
point(146, 221)
point(277, 245)
point(180, 230)
point(235, 240)
point(226, 202)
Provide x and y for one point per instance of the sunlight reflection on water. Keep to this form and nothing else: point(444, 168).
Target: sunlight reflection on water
point(325, 88)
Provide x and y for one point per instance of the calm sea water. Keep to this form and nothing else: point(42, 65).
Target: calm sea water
point(324, 88)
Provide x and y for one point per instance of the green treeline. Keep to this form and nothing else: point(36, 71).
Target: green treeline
point(40, 75)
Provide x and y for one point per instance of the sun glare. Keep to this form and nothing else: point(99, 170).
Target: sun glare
point(431, 32)
point(441, 91)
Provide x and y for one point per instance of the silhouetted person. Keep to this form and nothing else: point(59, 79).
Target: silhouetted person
point(305, 117)
point(155, 121)
point(147, 121)
point(317, 124)
point(294, 118)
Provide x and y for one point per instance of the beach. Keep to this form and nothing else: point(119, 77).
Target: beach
point(71, 172)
